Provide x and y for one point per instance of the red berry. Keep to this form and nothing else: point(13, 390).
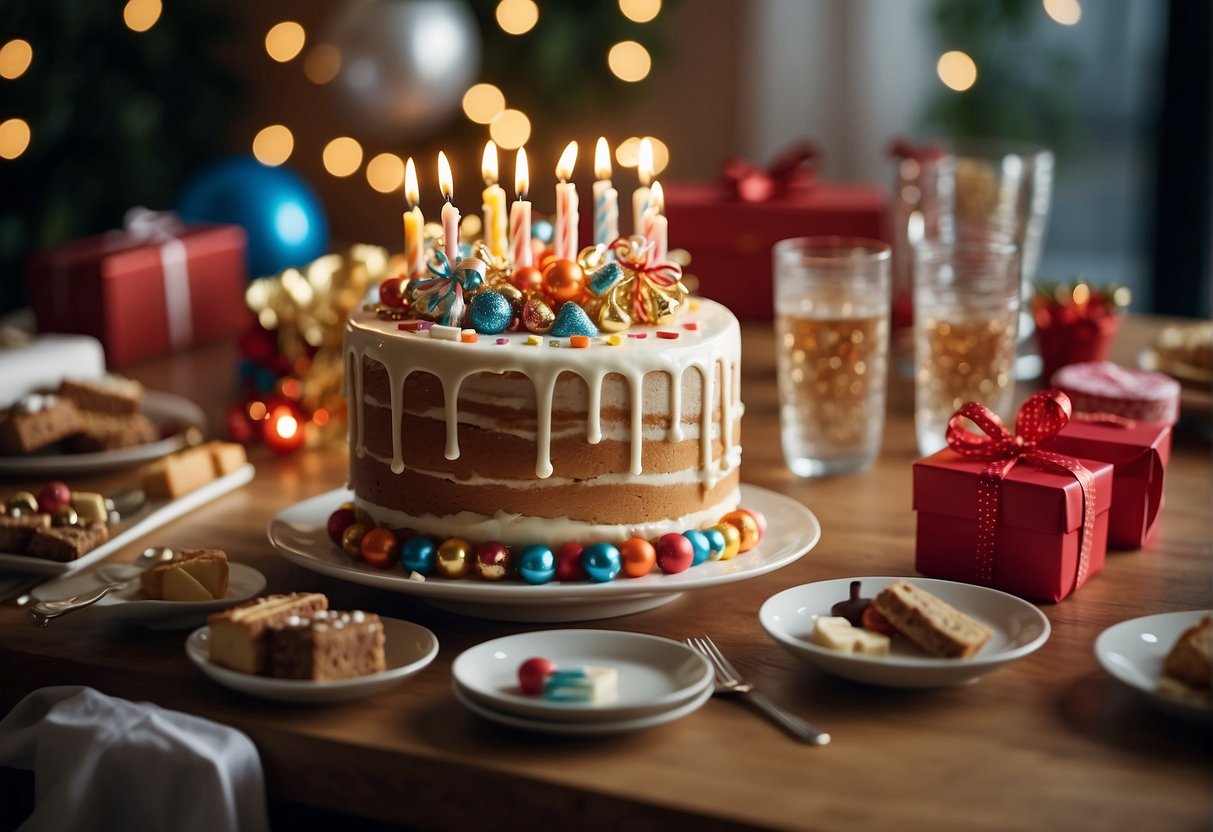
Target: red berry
point(674, 552)
point(391, 293)
point(532, 674)
point(54, 496)
point(877, 623)
point(339, 521)
point(568, 563)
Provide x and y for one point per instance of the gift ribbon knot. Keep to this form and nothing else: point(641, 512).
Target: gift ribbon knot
point(1040, 417)
point(442, 295)
point(751, 183)
point(647, 275)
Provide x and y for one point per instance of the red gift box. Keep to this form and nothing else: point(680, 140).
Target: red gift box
point(144, 291)
point(1036, 549)
point(1138, 453)
point(730, 240)
point(1104, 387)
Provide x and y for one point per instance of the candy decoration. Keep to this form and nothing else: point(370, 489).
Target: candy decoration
point(572, 320)
point(760, 519)
point(605, 278)
point(716, 543)
point(533, 673)
point(351, 539)
point(563, 281)
point(391, 293)
point(649, 292)
point(418, 554)
point(527, 279)
point(568, 563)
point(746, 526)
point(674, 553)
point(22, 503)
point(492, 561)
point(379, 548)
point(489, 313)
point(601, 562)
point(338, 522)
point(454, 558)
point(699, 545)
point(54, 496)
point(537, 316)
point(536, 564)
point(441, 296)
point(440, 332)
point(638, 556)
point(732, 540)
point(65, 516)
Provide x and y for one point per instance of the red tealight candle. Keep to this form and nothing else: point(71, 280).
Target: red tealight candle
point(282, 429)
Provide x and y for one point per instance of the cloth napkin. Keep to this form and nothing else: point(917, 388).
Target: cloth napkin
point(106, 763)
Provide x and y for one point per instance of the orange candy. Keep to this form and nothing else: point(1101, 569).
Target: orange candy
point(527, 278)
point(638, 556)
point(379, 548)
point(732, 540)
point(563, 281)
point(747, 528)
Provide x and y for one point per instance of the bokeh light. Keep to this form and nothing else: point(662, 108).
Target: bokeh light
point(342, 156)
point(517, 17)
point(273, 145)
point(640, 11)
point(385, 173)
point(14, 138)
point(629, 61)
point(628, 153)
point(322, 63)
point(957, 70)
point(141, 15)
point(285, 40)
point(15, 58)
point(483, 102)
point(510, 129)
point(1065, 12)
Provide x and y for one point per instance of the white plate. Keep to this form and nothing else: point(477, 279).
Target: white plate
point(1132, 652)
point(655, 674)
point(1019, 629)
point(409, 648)
point(584, 729)
point(127, 606)
point(157, 516)
point(164, 409)
point(299, 534)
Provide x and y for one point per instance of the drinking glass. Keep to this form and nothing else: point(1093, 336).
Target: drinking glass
point(966, 315)
point(832, 331)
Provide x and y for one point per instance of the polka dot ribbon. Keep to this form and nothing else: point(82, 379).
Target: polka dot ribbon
point(1041, 416)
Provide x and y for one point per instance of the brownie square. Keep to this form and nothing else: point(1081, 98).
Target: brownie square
point(326, 646)
point(66, 543)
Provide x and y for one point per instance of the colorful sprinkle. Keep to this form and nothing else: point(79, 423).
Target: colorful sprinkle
point(503, 341)
point(409, 326)
point(638, 335)
point(614, 340)
point(445, 333)
point(469, 336)
point(691, 325)
point(580, 342)
point(666, 334)
point(533, 340)
point(553, 343)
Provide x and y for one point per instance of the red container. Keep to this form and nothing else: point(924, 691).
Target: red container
point(143, 298)
point(1074, 342)
point(1138, 453)
point(1039, 532)
point(730, 239)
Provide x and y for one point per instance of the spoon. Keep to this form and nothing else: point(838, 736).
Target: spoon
point(42, 612)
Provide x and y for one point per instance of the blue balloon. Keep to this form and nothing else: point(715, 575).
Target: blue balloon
point(282, 215)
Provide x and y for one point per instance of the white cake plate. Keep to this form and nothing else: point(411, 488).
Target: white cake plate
point(299, 534)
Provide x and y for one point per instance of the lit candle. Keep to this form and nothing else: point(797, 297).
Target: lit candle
point(656, 227)
point(606, 198)
point(640, 196)
point(494, 202)
point(414, 224)
point(564, 238)
point(450, 214)
point(520, 214)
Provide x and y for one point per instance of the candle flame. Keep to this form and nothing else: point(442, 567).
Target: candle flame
point(446, 182)
point(411, 192)
point(657, 198)
point(564, 168)
point(488, 163)
point(644, 164)
point(522, 174)
point(602, 159)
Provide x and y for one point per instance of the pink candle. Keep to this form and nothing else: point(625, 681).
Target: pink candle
point(642, 195)
point(450, 214)
point(520, 214)
point(564, 237)
point(656, 227)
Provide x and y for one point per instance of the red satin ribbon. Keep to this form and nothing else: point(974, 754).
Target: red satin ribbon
point(1041, 416)
point(750, 183)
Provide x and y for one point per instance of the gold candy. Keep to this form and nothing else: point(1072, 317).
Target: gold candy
point(22, 503)
point(454, 558)
point(351, 539)
point(537, 316)
point(65, 516)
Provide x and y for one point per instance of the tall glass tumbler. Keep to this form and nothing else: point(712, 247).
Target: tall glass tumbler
point(966, 313)
point(832, 330)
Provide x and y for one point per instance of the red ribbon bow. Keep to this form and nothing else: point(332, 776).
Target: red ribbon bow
point(750, 183)
point(1041, 416)
point(635, 255)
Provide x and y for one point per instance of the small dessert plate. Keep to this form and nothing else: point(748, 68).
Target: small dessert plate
point(655, 674)
point(580, 728)
point(1019, 629)
point(129, 607)
point(1132, 652)
point(409, 647)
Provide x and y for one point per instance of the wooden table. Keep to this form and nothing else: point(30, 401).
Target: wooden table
point(1048, 743)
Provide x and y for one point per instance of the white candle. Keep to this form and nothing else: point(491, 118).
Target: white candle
point(520, 214)
point(493, 203)
point(414, 224)
point(640, 196)
point(656, 227)
point(564, 237)
point(450, 214)
point(606, 198)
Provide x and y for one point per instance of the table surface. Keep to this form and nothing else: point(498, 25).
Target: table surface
point(1048, 742)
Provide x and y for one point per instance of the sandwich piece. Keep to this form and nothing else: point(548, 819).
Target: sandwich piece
point(238, 637)
point(932, 624)
point(1187, 668)
point(193, 575)
point(327, 645)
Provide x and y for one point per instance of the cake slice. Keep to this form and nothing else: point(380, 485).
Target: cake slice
point(178, 474)
point(1188, 661)
point(226, 456)
point(112, 431)
point(327, 645)
point(66, 543)
point(932, 624)
point(36, 422)
point(193, 575)
point(238, 636)
point(111, 394)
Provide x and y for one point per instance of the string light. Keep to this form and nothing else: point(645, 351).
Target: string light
point(640, 11)
point(15, 58)
point(511, 129)
point(285, 40)
point(273, 145)
point(627, 154)
point(385, 173)
point(342, 156)
point(517, 17)
point(1065, 12)
point(483, 102)
point(14, 138)
point(629, 61)
point(322, 63)
point(141, 15)
point(957, 70)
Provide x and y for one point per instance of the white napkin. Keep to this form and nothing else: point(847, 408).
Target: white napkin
point(106, 763)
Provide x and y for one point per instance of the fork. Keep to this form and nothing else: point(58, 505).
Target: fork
point(729, 681)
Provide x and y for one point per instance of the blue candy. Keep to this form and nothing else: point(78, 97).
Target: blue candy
point(700, 545)
point(536, 564)
point(572, 320)
point(601, 562)
point(489, 314)
point(417, 554)
point(604, 278)
point(542, 230)
point(716, 542)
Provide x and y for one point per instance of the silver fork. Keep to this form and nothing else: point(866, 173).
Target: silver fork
point(729, 681)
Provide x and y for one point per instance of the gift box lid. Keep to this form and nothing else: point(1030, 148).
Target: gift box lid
point(1032, 497)
point(715, 198)
point(1118, 443)
point(112, 251)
